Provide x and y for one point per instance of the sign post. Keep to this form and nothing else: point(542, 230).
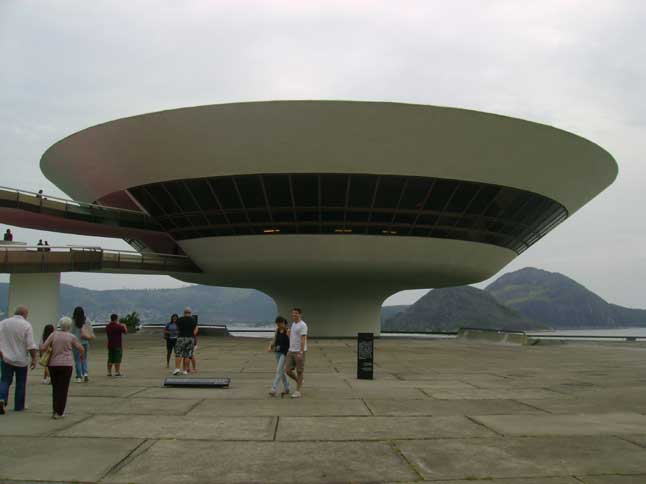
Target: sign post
point(365, 355)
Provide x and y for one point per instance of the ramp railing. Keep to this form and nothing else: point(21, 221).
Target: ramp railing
point(17, 258)
point(71, 209)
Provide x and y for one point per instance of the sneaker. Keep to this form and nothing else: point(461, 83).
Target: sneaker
point(85, 378)
point(56, 416)
point(296, 394)
point(78, 380)
point(176, 371)
point(272, 393)
point(1, 407)
point(185, 372)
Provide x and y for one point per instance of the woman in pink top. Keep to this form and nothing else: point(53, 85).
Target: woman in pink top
point(60, 363)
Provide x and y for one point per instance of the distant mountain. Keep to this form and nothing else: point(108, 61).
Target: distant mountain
point(448, 309)
point(526, 299)
point(560, 302)
point(388, 312)
point(212, 304)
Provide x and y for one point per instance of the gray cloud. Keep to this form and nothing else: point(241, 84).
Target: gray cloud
point(577, 65)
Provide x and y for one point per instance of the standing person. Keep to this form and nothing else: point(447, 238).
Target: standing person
point(8, 236)
point(115, 330)
point(186, 327)
point(47, 330)
point(170, 335)
point(280, 346)
point(194, 357)
point(60, 364)
point(297, 349)
point(16, 345)
point(82, 329)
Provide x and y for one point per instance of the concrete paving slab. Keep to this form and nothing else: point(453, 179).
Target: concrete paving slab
point(499, 393)
point(639, 440)
point(578, 378)
point(77, 405)
point(516, 480)
point(89, 390)
point(433, 407)
point(377, 428)
point(302, 407)
point(588, 424)
point(246, 462)
point(30, 423)
point(523, 457)
point(640, 479)
point(235, 392)
point(26, 459)
point(588, 405)
point(179, 427)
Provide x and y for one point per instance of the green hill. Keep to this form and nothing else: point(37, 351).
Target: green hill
point(560, 302)
point(388, 312)
point(212, 304)
point(448, 309)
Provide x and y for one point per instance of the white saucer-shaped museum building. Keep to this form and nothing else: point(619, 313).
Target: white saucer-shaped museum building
point(333, 206)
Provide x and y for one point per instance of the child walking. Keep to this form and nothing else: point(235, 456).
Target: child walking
point(47, 330)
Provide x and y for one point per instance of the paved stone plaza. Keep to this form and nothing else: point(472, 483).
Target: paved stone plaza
point(440, 411)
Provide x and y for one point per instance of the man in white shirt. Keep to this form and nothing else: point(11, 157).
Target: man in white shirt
point(16, 346)
point(297, 349)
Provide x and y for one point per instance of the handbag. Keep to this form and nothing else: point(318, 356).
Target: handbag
point(87, 332)
point(46, 356)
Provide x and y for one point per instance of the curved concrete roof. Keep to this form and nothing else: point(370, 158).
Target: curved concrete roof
point(329, 136)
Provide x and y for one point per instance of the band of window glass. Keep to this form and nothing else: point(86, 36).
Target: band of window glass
point(325, 203)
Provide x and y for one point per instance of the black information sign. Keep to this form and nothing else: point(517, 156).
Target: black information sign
point(365, 355)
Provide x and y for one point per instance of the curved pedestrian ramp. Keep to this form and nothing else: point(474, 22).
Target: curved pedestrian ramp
point(61, 208)
point(15, 258)
point(495, 336)
point(197, 382)
point(43, 212)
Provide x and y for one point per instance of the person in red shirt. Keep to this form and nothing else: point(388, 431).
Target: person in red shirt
point(115, 330)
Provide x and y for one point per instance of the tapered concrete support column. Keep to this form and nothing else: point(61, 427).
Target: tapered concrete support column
point(341, 311)
point(41, 294)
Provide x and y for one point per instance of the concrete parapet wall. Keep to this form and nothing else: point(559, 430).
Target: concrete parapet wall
point(492, 336)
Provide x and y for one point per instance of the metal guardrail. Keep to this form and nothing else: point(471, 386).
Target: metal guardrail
point(588, 337)
point(71, 209)
point(530, 335)
point(15, 258)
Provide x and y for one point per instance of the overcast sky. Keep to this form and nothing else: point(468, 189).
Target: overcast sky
point(576, 65)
